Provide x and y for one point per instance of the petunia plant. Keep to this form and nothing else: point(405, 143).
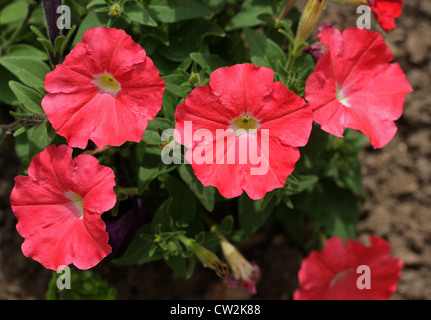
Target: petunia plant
point(174, 130)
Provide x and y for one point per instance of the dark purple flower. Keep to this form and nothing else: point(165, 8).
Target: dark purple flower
point(123, 227)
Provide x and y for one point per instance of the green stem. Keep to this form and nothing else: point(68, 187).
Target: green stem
point(290, 60)
point(287, 7)
point(128, 190)
point(11, 127)
point(210, 223)
point(189, 243)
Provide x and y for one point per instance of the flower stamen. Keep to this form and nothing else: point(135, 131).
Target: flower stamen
point(107, 82)
point(245, 123)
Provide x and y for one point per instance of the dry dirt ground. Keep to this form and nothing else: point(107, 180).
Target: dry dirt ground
point(396, 179)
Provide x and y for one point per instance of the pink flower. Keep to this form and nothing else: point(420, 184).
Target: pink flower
point(59, 206)
point(243, 130)
point(355, 86)
point(106, 90)
point(352, 272)
point(386, 11)
point(248, 280)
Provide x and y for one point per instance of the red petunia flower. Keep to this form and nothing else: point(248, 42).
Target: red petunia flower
point(106, 90)
point(243, 130)
point(355, 86)
point(352, 272)
point(386, 11)
point(59, 206)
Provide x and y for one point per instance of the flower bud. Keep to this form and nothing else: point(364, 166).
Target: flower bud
point(309, 18)
point(115, 10)
point(195, 79)
point(210, 260)
point(244, 272)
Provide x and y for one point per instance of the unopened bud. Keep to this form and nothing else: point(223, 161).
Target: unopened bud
point(210, 260)
point(114, 10)
point(310, 16)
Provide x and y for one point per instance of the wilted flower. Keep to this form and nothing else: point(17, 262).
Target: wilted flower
point(210, 260)
point(243, 273)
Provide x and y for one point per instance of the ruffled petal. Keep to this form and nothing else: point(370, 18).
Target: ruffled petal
point(59, 207)
point(332, 274)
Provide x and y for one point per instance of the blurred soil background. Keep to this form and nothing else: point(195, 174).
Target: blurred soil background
point(396, 180)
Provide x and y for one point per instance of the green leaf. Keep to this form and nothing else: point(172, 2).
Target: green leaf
point(212, 61)
point(6, 94)
point(184, 203)
point(263, 51)
point(84, 285)
point(170, 102)
point(139, 14)
point(59, 42)
point(26, 51)
point(95, 3)
point(38, 33)
point(178, 264)
point(226, 226)
point(139, 250)
point(334, 208)
point(190, 38)
point(151, 135)
point(31, 72)
point(39, 138)
point(162, 220)
point(92, 20)
point(206, 195)
point(28, 97)
point(293, 222)
point(170, 11)
point(142, 250)
point(249, 14)
point(304, 182)
point(253, 214)
point(216, 6)
point(151, 167)
point(13, 12)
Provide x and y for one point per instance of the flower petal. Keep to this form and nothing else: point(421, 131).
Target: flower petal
point(58, 230)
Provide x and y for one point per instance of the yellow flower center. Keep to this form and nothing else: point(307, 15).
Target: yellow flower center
point(107, 82)
point(244, 123)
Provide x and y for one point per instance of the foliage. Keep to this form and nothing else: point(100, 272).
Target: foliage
point(187, 40)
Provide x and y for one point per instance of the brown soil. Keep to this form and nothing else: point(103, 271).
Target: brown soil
point(396, 179)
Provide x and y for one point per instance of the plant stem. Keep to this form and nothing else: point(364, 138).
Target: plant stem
point(290, 60)
point(96, 151)
point(287, 7)
point(189, 243)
